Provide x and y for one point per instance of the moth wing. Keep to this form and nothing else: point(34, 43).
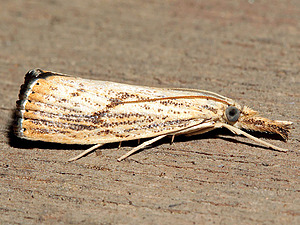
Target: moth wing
point(70, 110)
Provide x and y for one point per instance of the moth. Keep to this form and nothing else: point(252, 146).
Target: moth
point(54, 107)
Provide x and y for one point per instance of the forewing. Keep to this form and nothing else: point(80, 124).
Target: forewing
point(77, 111)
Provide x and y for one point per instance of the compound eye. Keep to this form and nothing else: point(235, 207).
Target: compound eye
point(232, 113)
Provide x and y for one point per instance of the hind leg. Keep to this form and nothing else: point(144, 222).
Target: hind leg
point(145, 144)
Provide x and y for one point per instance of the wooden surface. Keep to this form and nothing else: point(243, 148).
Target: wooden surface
point(246, 50)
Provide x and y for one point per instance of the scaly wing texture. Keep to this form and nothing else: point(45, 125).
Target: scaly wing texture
point(72, 110)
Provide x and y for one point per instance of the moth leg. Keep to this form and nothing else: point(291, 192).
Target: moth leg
point(240, 132)
point(146, 143)
point(201, 131)
point(172, 140)
point(120, 144)
point(195, 128)
point(85, 152)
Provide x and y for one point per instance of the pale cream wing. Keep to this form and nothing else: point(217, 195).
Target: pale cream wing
point(72, 110)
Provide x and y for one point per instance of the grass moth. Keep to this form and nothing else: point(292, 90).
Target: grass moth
point(54, 107)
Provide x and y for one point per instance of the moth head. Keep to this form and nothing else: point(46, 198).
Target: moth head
point(248, 119)
point(232, 114)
